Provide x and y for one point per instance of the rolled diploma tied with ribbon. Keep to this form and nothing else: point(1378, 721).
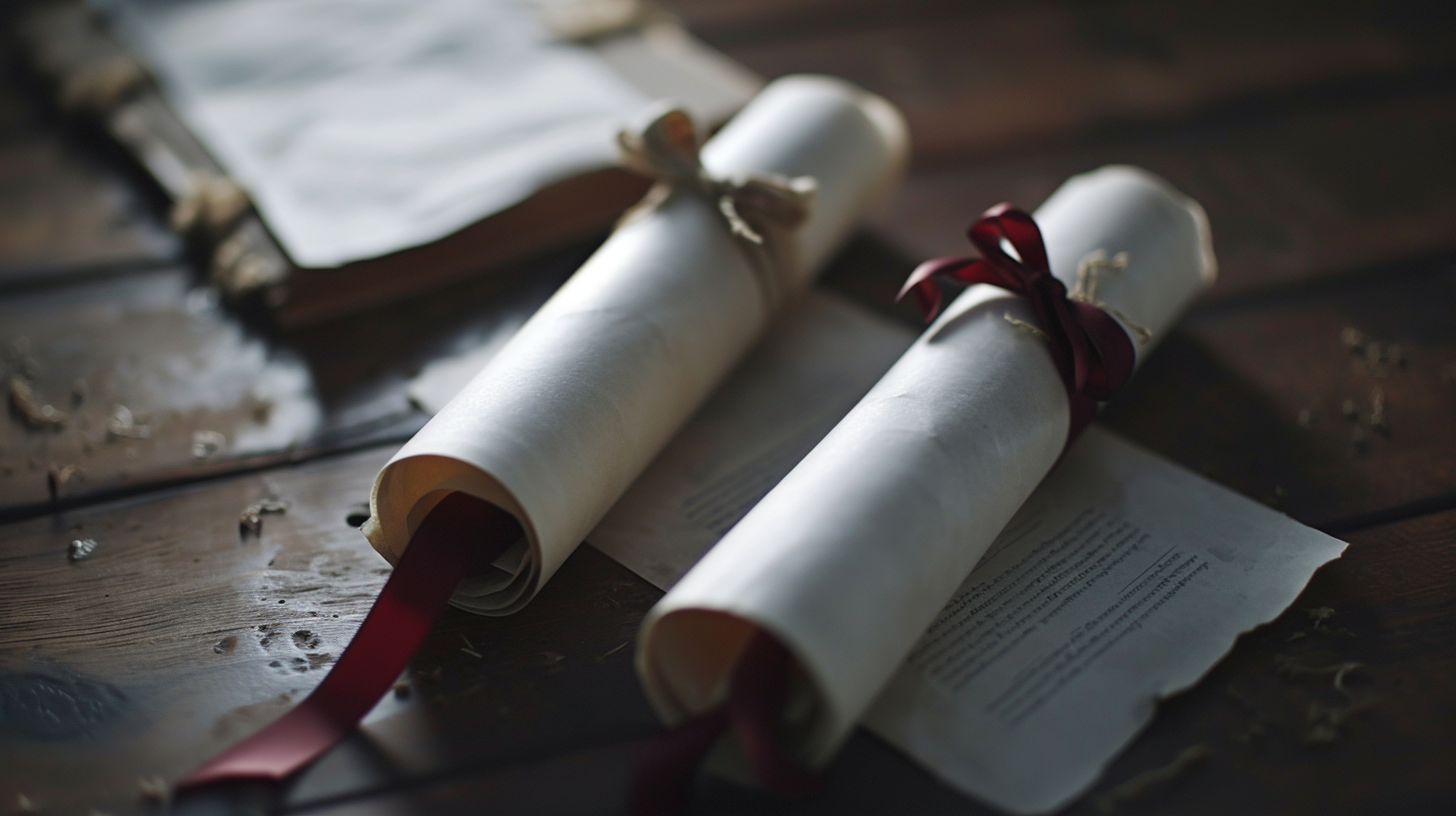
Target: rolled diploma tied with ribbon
point(503, 484)
point(787, 630)
point(591, 388)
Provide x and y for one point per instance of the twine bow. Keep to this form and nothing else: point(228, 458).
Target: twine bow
point(760, 209)
point(1091, 350)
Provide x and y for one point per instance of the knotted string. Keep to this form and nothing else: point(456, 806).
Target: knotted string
point(757, 692)
point(1091, 350)
point(760, 209)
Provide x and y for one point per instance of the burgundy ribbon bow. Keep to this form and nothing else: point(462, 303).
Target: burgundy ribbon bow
point(1091, 350)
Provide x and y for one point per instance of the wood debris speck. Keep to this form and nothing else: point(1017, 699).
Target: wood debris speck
point(37, 414)
point(251, 519)
point(207, 443)
point(1144, 783)
point(17, 351)
point(1252, 735)
point(58, 476)
point(1378, 421)
point(123, 424)
point(155, 789)
point(81, 549)
point(1322, 721)
point(1370, 356)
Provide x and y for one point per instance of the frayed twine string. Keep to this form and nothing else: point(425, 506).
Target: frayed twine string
point(760, 210)
point(1090, 272)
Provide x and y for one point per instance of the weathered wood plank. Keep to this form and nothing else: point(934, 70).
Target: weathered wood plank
point(66, 209)
point(204, 394)
point(171, 638)
point(1290, 198)
point(63, 214)
point(134, 369)
point(181, 634)
point(992, 77)
point(1254, 396)
point(726, 23)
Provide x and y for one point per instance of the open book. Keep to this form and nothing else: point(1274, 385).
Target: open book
point(330, 157)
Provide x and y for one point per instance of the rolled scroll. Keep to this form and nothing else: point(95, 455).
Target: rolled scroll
point(579, 402)
point(849, 559)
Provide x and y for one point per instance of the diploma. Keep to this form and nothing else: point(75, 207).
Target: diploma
point(559, 423)
point(850, 558)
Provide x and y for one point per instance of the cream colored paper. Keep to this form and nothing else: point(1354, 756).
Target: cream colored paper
point(1121, 581)
point(564, 418)
point(818, 360)
point(364, 127)
point(821, 355)
point(849, 559)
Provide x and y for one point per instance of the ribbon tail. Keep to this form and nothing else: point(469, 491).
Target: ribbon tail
point(921, 283)
point(447, 546)
point(665, 765)
point(760, 691)
point(757, 692)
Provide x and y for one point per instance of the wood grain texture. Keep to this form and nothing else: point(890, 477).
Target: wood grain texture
point(1290, 197)
point(170, 640)
point(992, 77)
point(68, 208)
point(156, 347)
point(182, 634)
point(1253, 396)
point(65, 215)
point(161, 347)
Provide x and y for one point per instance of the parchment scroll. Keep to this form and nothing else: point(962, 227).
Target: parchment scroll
point(574, 407)
point(850, 558)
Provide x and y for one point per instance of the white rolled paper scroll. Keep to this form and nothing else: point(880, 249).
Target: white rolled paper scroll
point(577, 404)
point(849, 559)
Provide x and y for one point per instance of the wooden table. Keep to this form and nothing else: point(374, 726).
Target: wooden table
point(1319, 376)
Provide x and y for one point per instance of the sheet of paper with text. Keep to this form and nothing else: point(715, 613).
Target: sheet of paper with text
point(1122, 580)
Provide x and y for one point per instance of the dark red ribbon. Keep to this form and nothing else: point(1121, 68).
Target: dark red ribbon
point(757, 693)
point(1091, 350)
point(460, 536)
